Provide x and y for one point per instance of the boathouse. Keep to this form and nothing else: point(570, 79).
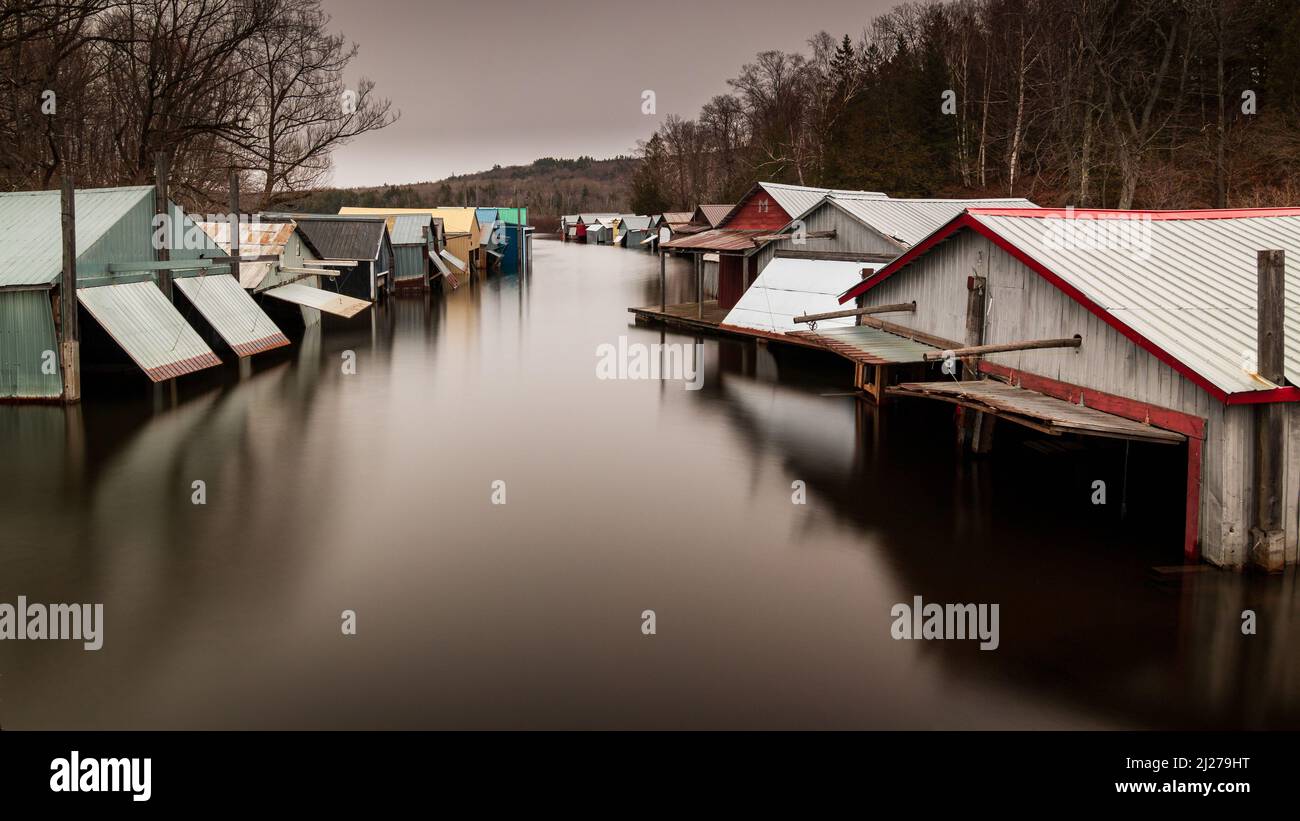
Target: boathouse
point(283, 272)
point(125, 287)
point(460, 231)
point(359, 247)
point(1149, 326)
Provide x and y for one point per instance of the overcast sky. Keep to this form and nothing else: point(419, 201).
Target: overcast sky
point(507, 82)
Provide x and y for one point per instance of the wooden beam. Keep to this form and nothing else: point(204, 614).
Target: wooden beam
point(69, 327)
point(871, 309)
point(234, 224)
point(663, 283)
point(825, 234)
point(976, 288)
point(1028, 345)
point(162, 206)
point(1267, 535)
point(838, 256)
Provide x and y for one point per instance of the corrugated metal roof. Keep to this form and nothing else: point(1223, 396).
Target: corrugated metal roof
point(713, 214)
point(321, 300)
point(676, 216)
point(790, 287)
point(1192, 294)
point(26, 334)
point(717, 239)
point(1182, 284)
point(256, 239)
point(485, 215)
point(455, 220)
point(149, 329)
point(453, 259)
point(866, 344)
point(343, 238)
point(635, 223)
point(911, 220)
point(31, 229)
point(796, 199)
point(409, 229)
point(234, 315)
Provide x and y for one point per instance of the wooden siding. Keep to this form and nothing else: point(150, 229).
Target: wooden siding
point(749, 216)
point(1023, 305)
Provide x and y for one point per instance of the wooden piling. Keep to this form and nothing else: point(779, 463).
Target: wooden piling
point(663, 283)
point(69, 329)
point(1268, 535)
point(699, 285)
point(162, 253)
point(234, 223)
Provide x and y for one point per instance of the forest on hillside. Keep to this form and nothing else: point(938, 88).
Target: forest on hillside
point(548, 187)
point(1101, 103)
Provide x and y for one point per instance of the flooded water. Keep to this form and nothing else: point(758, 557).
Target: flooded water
point(374, 492)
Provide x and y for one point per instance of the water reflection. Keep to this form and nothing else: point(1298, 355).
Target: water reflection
point(370, 491)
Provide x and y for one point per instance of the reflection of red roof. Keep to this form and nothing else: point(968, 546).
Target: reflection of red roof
point(716, 239)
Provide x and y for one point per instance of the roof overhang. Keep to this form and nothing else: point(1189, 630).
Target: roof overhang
point(967, 220)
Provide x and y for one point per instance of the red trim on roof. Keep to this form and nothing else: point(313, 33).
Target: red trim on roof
point(967, 220)
point(1117, 213)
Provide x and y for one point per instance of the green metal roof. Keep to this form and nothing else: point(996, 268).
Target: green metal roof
point(149, 329)
point(31, 247)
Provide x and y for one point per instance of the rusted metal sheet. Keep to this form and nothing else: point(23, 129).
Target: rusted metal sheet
point(1036, 410)
point(149, 329)
point(718, 239)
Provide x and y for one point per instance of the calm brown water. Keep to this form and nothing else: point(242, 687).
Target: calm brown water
point(372, 492)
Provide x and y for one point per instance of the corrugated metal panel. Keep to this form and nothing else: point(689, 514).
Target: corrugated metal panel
point(718, 239)
point(408, 262)
point(442, 266)
point(635, 223)
point(796, 199)
point(676, 216)
point(26, 334)
point(911, 220)
point(790, 287)
point(330, 303)
point(866, 344)
point(344, 238)
point(712, 214)
point(225, 304)
point(456, 220)
point(485, 215)
point(31, 249)
point(1186, 284)
point(409, 229)
point(149, 329)
point(453, 259)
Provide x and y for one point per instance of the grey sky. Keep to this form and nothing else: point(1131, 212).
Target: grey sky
point(507, 81)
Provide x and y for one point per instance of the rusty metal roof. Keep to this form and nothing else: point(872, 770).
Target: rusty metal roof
point(710, 215)
point(149, 328)
point(716, 239)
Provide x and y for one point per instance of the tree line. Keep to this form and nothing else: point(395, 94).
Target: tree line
point(1092, 103)
point(97, 88)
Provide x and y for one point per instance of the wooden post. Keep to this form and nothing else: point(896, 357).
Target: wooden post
point(975, 287)
point(163, 253)
point(69, 329)
point(235, 227)
point(663, 283)
point(972, 423)
point(699, 285)
point(861, 300)
point(1268, 535)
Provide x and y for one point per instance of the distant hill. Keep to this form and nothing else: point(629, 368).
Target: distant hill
point(549, 187)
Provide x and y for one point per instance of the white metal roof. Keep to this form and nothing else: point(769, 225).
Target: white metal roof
point(322, 300)
point(234, 315)
point(789, 287)
point(796, 199)
point(149, 329)
point(1186, 282)
point(908, 221)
